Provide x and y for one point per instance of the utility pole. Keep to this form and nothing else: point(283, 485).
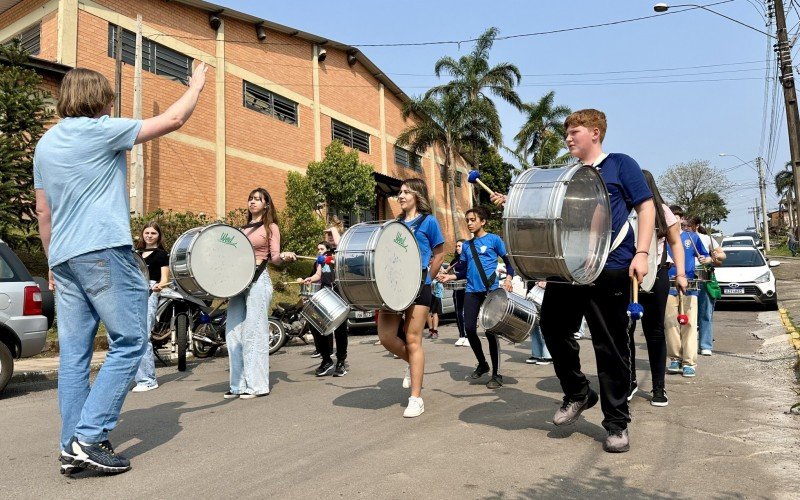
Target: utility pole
point(754, 210)
point(118, 72)
point(762, 186)
point(783, 49)
point(137, 172)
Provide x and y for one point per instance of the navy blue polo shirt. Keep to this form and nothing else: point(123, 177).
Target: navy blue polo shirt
point(626, 189)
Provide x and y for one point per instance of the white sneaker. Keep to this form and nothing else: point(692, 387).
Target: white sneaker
point(460, 341)
point(144, 388)
point(705, 352)
point(466, 342)
point(407, 379)
point(415, 408)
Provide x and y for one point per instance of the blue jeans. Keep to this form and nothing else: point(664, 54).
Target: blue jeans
point(247, 338)
point(146, 374)
point(705, 314)
point(104, 285)
point(538, 347)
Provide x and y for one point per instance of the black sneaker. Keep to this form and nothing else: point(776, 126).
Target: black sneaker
point(325, 368)
point(496, 382)
point(532, 360)
point(659, 397)
point(571, 410)
point(340, 370)
point(480, 371)
point(67, 466)
point(97, 456)
point(315, 354)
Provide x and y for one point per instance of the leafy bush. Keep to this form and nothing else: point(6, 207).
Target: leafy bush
point(301, 227)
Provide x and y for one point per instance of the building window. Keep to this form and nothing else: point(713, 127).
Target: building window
point(30, 39)
point(156, 58)
point(406, 159)
point(269, 103)
point(458, 178)
point(350, 136)
point(352, 218)
point(443, 172)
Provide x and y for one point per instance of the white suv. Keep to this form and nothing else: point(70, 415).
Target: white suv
point(23, 328)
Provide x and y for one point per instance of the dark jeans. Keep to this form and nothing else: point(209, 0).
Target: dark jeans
point(472, 306)
point(458, 303)
point(324, 343)
point(605, 305)
point(655, 306)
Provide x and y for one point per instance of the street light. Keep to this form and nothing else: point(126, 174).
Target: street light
point(663, 7)
point(762, 187)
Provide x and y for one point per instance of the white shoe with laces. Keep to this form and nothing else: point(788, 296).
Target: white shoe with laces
point(460, 341)
point(407, 378)
point(466, 342)
point(144, 387)
point(415, 408)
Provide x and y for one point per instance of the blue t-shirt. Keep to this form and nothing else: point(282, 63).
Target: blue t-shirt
point(687, 238)
point(626, 188)
point(489, 247)
point(428, 236)
point(80, 164)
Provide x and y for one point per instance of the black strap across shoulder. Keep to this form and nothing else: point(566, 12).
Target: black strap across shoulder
point(478, 263)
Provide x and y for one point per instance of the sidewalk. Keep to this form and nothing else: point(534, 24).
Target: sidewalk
point(788, 287)
point(37, 369)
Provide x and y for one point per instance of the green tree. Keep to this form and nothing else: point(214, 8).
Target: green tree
point(23, 115)
point(710, 207)
point(683, 182)
point(540, 140)
point(784, 187)
point(341, 181)
point(301, 227)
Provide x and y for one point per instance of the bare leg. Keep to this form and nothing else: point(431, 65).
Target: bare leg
point(388, 323)
point(415, 322)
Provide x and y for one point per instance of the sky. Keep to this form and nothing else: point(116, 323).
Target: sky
point(676, 87)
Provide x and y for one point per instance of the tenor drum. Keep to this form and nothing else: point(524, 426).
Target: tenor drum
point(557, 224)
point(378, 266)
point(325, 310)
point(309, 289)
point(508, 315)
point(702, 274)
point(215, 261)
point(455, 285)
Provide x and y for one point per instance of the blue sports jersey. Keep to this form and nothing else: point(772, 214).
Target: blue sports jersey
point(489, 247)
point(687, 238)
point(626, 189)
point(428, 236)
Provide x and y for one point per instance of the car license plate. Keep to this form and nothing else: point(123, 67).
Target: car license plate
point(733, 291)
point(364, 314)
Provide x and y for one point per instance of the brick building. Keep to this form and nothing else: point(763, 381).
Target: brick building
point(282, 97)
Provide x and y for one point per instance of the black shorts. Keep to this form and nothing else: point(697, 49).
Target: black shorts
point(425, 296)
point(436, 305)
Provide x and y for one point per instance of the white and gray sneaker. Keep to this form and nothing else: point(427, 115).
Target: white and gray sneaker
point(415, 407)
point(407, 378)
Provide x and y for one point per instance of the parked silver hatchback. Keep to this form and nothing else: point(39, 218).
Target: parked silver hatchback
point(23, 327)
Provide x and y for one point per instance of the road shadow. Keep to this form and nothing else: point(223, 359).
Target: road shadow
point(459, 372)
point(275, 378)
point(387, 392)
point(599, 482)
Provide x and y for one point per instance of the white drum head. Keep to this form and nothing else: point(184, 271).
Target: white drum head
point(222, 260)
point(398, 270)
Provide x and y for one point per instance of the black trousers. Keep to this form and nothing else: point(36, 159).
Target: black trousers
point(458, 303)
point(324, 343)
point(605, 305)
point(655, 306)
point(472, 306)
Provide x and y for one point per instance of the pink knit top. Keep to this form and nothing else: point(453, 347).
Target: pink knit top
point(258, 237)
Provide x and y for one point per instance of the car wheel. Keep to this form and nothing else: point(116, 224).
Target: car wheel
point(772, 306)
point(6, 366)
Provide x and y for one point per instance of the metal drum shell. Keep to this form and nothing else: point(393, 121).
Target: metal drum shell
point(356, 268)
point(180, 263)
point(507, 315)
point(542, 222)
point(309, 289)
point(326, 311)
point(455, 285)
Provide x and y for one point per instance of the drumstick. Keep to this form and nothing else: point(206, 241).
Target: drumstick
point(475, 177)
point(635, 310)
point(683, 319)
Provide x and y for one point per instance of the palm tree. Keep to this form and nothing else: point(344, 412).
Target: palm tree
point(541, 138)
point(450, 123)
point(784, 187)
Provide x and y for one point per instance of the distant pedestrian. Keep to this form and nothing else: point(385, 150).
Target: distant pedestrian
point(792, 244)
point(705, 302)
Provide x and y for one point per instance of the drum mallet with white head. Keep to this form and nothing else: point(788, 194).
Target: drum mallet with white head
point(474, 177)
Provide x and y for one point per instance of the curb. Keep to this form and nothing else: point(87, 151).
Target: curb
point(794, 335)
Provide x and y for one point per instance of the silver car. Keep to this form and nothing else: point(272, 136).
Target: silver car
point(23, 327)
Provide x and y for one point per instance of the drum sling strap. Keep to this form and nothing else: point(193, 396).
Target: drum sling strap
point(477, 260)
point(263, 265)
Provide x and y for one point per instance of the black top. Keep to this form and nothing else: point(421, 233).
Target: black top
point(327, 272)
point(157, 259)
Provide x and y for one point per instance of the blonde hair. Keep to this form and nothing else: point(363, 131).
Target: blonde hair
point(589, 118)
point(84, 92)
point(420, 190)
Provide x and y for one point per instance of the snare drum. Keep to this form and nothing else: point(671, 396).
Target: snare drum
point(309, 289)
point(702, 274)
point(215, 261)
point(325, 310)
point(378, 266)
point(455, 285)
point(692, 284)
point(507, 315)
point(557, 224)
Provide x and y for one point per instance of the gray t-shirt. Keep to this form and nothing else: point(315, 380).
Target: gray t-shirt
point(80, 164)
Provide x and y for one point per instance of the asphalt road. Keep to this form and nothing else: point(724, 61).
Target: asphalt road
point(725, 433)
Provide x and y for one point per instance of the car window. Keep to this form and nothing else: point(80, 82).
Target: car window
point(737, 243)
point(743, 258)
point(6, 273)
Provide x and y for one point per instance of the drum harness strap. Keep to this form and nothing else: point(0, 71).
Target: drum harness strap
point(478, 263)
point(263, 265)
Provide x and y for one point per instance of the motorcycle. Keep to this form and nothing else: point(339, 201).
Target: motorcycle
point(197, 325)
point(293, 324)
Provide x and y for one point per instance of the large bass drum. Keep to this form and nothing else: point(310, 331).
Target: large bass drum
point(557, 224)
point(215, 261)
point(378, 266)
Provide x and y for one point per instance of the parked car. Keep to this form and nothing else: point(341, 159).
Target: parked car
point(361, 322)
point(756, 238)
point(745, 276)
point(23, 327)
point(739, 241)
